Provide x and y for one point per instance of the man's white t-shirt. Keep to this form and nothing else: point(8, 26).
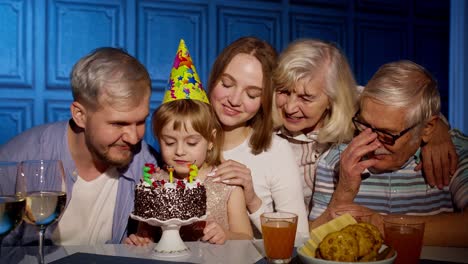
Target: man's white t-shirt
point(88, 217)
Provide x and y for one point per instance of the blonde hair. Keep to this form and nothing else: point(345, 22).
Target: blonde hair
point(202, 118)
point(262, 122)
point(405, 84)
point(111, 72)
point(307, 58)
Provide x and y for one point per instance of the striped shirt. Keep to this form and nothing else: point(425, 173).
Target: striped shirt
point(399, 192)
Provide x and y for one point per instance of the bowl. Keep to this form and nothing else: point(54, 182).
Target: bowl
point(311, 260)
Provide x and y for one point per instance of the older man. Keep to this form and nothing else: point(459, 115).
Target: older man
point(101, 148)
point(398, 111)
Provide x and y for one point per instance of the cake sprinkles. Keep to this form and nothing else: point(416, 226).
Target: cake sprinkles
point(168, 199)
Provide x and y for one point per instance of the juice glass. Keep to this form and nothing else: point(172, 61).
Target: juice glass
point(405, 235)
point(279, 233)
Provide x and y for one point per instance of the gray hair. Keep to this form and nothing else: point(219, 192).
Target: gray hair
point(408, 85)
point(307, 58)
point(111, 72)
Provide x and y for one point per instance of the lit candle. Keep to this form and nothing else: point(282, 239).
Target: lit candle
point(147, 173)
point(170, 169)
point(193, 171)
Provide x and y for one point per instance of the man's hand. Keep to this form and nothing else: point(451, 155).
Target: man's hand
point(352, 165)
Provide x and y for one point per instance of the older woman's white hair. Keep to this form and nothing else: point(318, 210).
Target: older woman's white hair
point(307, 58)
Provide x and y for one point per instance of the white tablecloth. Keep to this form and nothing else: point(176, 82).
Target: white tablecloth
point(240, 251)
point(233, 251)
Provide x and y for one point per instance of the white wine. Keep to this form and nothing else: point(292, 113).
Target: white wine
point(44, 208)
point(11, 213)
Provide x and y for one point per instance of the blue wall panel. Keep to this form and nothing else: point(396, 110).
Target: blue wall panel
point(235, 22)
point(15, 117)
point(431, 50)
point(160, 28)
point(376, 44)
point(383, 6)
point(40, 41)
point(320, 27)
point(57, 110)
point(74, 29)
point(326, 27)
point(15, 45)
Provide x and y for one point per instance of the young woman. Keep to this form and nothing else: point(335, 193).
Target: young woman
point(241, 92)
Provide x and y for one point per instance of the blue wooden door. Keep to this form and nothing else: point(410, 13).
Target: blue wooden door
point(41, 40)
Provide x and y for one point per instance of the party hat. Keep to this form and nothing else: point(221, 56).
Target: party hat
point(184, 82)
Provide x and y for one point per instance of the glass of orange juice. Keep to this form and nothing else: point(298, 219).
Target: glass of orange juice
point(405, 234)
point(279, 232)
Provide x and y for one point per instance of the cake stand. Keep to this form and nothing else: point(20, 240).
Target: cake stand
point(170, 244)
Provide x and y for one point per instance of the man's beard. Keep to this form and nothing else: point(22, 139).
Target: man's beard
point(105, 157)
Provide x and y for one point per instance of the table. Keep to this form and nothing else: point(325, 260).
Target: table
point(443, 254)
point(240, 251)
point(233, 251)
point(452, 254)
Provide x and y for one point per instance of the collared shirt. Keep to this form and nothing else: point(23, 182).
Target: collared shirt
point(50, 141)
point(306, 151)
point(399, 192)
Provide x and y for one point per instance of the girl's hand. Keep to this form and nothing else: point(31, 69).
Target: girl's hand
point(234, 173)
point(137, 240)
point(214, 233)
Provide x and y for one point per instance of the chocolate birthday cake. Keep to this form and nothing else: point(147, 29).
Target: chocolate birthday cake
point(164, 199)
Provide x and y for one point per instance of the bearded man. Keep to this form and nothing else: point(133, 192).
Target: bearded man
point(101, 148)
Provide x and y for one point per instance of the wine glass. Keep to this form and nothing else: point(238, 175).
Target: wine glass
point(12, 201)
point(45, 194)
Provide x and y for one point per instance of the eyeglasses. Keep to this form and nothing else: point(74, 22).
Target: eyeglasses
point(383, 136)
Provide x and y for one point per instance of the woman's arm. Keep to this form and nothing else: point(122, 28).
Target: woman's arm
point(439, 158)
point(446, 230)
point(286, 185)
point(239, 223)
